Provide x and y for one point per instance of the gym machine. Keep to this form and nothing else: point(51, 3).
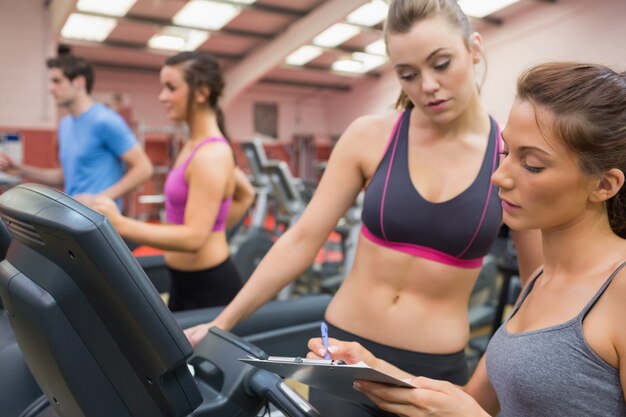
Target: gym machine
point(95, 333)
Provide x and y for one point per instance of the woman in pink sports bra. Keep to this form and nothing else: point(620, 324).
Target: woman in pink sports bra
point(198, 191)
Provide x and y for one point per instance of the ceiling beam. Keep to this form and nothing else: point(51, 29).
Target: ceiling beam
point(150, 20)
point(155, 21)
point(142, 47)
point(306, 84)
point(59, 12)
point(117, 66)
point(154, 70)
point(324, 68)
point(258, 63)
point(267, 8)
point(159, 22)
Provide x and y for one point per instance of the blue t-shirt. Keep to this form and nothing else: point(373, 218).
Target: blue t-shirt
point(90, 149)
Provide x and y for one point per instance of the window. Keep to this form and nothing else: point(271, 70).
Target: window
point(266, 119)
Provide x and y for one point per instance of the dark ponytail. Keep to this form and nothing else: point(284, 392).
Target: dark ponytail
point(403, 102)
point(221, 122)
point(64, 49)
point(617, 215)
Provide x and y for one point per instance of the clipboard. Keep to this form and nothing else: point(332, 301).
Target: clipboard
point(327, 375)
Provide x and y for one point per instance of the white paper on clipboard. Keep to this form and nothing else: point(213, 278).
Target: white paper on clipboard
point(326, 375)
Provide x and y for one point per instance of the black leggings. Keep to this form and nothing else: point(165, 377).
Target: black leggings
point(448, 367)
point(211, 287)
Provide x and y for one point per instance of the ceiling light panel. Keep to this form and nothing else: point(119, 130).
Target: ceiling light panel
point(336, 35)
point(207, 15)
point(348, 65)
point(178, 39)
point(377, 48)
point(168, 42)
point(369, 14)
point(108, 7)
point(482, 8)
point(369, 61)
point(359, 63)
point(303, 55)
point(88, 28)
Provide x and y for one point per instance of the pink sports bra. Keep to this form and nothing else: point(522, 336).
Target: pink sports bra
point(176, 191)
point(457, 232)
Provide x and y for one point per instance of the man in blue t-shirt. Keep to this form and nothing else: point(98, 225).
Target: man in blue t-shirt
point(99, 154)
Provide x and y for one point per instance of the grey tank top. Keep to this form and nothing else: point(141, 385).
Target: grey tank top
point(553, 371)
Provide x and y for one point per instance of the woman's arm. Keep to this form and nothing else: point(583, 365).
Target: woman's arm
point(621, 352)
point(353, 352)
point(243, 197)
point(138, 169)
point(617, 312)
point(480, 388)
point(429, 398)
point(296, 249)
point(208, 176)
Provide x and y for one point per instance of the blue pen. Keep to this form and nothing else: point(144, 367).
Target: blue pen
point(324, 330)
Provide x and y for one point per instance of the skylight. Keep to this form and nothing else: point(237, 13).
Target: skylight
point(377, 48)
point(348, 65)
point(108, 7)
point(178, 39)
point(359, 63)
point(336, 35)
point(207, 15)
point(369, 14)
point(88, 28)
point(369, 61)
point(303, 55)
point(482, 8)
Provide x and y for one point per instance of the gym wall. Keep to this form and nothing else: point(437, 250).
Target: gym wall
point(567, 29)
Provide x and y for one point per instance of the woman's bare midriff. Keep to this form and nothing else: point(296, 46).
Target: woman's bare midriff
point(403, 301)
point(212, 253)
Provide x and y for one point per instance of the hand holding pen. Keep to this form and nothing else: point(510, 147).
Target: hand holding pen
point(324, 331)
point(347, 352)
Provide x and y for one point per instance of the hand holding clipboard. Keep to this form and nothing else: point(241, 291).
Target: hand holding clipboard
point(334, 376)
point(328, 375)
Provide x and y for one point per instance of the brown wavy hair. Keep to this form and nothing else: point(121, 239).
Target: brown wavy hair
point(589, 105)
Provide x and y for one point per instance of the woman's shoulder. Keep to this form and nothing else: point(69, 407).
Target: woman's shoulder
point(364, 141)
point(614, 294)
point(618, 285)
point(212, 153)
point(615, 310)
point(371, 128)
point(376, 121)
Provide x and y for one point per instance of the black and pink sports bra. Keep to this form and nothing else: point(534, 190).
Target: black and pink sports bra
point(457, 232)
